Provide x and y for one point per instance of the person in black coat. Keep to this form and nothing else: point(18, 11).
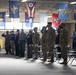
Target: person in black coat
point(17, 43)
point(29, 44)
point(57, 42)
point(74, 40)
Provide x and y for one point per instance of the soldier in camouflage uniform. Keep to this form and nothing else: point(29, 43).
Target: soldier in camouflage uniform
point(64, 43)
point(7, 42)
point(35, 40)
point(51, 41)
point(44, 42)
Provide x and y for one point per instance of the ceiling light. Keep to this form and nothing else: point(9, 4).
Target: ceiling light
point(72, 2)
point(23, 0)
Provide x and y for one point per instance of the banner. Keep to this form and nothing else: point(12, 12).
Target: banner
point(55, 21)
point(30, 8)
point(43, 19)
point(63, 11)
point(74, 11)
point(2, 19)
point(14, 9)
point(28, 20)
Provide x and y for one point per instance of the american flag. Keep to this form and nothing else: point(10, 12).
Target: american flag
point(30, 8)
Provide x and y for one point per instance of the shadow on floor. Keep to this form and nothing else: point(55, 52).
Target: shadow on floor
point(3, 55)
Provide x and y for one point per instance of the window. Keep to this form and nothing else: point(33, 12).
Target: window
point(27, 27)
point(13, 25)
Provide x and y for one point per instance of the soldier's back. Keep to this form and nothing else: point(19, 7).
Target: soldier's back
point(44, 36)
point(64, 37)
point(36, 37)
point(51, 34)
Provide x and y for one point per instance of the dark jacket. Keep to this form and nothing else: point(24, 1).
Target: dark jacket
point(17, 38)
point(12, 37)
point(57, 41)
point(22, 36)
point(29, 39)
point(7, 38)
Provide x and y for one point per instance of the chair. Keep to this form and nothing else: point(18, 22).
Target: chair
point(72, 54)
point(58, 53)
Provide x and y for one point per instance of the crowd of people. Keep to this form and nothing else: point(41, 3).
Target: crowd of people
point(15, 43)
point(50, 38)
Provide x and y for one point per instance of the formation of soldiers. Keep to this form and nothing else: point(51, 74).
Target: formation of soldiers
point(47, 42)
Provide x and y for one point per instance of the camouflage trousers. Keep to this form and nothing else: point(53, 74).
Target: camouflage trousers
point(64, 53)
point(44, 51)
point(7, 48)
point(35, 50)
point(51, 53)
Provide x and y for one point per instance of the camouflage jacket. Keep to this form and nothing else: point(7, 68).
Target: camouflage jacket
point(51, 36)
point(64, 37)
point(35, 38)
point(44, 36)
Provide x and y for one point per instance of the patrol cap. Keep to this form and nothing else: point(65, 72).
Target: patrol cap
point(35, 28)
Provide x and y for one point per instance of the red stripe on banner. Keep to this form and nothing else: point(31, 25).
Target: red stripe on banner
point(26, 9)
point(55, 21)
point(34, 10)
point(31, 13)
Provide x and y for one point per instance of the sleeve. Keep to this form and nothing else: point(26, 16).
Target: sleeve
point(66, 37)
point(3, 35)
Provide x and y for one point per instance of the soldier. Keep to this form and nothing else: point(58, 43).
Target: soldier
point(44, 42)
point(7, 42)
point(35, 40)
point(51, 41)
point(17, 43)
point(64, 43)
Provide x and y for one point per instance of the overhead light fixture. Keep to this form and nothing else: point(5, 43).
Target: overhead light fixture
point(72, 2)
point(23, 0)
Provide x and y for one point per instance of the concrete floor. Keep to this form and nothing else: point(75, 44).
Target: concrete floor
point(11, 65)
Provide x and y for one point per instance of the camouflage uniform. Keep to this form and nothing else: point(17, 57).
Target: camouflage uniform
point(64, 43)
point(35, 40)
point(51, 41)
point(7, 42)
point(44, 42)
